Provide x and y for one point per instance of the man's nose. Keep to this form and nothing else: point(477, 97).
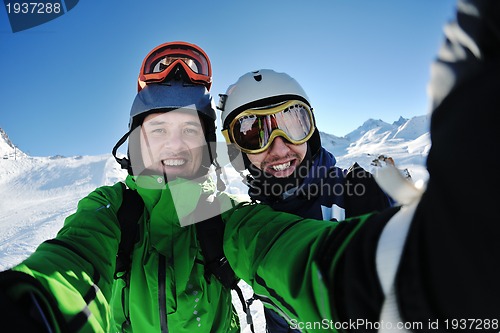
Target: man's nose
point(279, 147)
point(174, 141)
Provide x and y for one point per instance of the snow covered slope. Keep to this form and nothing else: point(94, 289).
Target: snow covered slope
point(37, 193)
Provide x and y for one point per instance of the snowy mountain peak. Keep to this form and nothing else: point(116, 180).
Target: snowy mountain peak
point(400, 121)
point(406, 140)
point(7, 148)
point(373, 130)
point(5, 139)
point(369, 126)
point(413, 128)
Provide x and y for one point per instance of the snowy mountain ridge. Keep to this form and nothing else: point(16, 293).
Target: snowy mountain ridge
point(405, 140)
point(7, 148)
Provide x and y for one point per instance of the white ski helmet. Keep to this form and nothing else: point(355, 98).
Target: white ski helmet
point(261, 88)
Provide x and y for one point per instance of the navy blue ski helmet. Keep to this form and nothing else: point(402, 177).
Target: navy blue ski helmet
point(164, 97)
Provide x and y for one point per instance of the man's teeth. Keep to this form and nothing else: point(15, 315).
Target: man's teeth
point(176, 162)
point(281, 167)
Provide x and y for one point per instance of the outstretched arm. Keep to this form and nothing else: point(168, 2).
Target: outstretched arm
point(66, 283)
point(452, 248)
point(449, 267)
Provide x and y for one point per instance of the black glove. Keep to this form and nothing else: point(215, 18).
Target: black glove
point(20, 313)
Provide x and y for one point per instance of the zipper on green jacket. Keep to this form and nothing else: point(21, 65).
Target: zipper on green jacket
point(162, 296)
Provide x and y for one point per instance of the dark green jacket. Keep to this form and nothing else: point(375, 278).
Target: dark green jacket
point(77, 267)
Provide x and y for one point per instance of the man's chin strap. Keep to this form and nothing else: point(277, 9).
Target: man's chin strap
point(124, 162)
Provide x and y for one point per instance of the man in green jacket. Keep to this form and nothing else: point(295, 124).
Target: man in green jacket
point(68, 284)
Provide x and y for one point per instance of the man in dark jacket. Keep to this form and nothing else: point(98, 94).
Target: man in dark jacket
point(429, 265)
point(268, 118)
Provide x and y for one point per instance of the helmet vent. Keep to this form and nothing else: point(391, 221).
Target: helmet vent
point(257, 77)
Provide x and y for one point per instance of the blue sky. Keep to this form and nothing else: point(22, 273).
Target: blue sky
point(67, 85)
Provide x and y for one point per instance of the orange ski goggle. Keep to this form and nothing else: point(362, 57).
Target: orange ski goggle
point(162, 59)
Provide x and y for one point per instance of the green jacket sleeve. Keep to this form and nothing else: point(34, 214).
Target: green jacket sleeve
point(77, 266)
point(276, 253)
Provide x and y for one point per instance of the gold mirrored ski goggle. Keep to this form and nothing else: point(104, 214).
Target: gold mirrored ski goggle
point(254, 130)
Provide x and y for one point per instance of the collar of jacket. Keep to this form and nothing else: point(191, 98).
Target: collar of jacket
point(166, 203)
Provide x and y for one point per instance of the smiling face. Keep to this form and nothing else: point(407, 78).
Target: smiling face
point(281, 159)
point(173, 143)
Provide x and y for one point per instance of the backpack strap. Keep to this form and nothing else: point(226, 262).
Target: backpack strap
point(210, 234)
point(130, 211)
